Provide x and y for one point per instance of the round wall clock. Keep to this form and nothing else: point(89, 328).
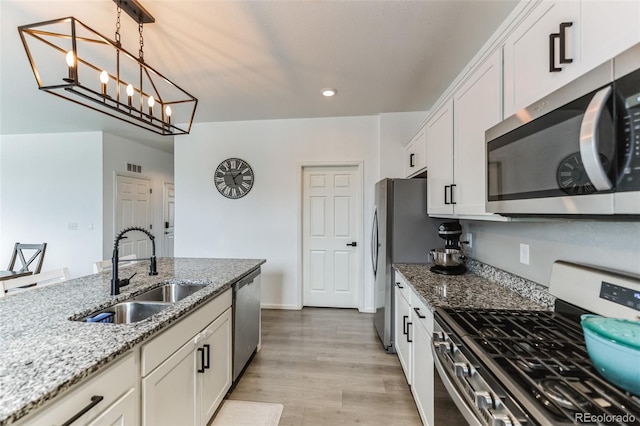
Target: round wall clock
point(233, 178)
point(571, 176)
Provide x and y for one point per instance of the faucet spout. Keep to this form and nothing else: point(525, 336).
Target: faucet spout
point(116, 283)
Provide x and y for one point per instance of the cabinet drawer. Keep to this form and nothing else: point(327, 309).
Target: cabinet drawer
point(95, 396)
point(422, 315)
point(170, 340)
point(403, 287)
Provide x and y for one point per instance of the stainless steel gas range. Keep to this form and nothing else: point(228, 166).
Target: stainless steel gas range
point(504, 367)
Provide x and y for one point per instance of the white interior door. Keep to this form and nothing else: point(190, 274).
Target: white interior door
point(134, 208)
point(169, 215)
point(332, 241)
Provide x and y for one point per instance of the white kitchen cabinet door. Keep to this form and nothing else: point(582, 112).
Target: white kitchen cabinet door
point(440, 159)
point(477, 107)
point(123, 412)
point(416, 153)
point(403, 332)
point(608, 28)
point(422, 384)
point(527, 63)
point(169, 392)
point(215, 381)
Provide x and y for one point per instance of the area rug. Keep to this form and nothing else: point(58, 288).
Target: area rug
point(248, 413)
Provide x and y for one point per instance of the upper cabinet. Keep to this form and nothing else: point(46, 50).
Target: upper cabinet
point(560, 40)
point(416, 154)
point(456, 154)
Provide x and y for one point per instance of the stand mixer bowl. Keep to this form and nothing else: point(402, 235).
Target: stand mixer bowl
point(446, 257)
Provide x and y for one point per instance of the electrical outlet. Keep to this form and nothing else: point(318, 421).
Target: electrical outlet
point(469, 239)
point(524, 253)
point(72, 226)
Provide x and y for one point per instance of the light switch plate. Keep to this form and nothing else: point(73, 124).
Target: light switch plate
point(524, 253)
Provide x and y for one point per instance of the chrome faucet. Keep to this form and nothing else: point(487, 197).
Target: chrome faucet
point(117, 283)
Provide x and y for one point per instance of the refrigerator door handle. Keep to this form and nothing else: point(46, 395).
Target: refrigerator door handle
point(374, 242)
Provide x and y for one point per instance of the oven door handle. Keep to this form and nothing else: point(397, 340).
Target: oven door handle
point(589, 140)
point(466, 411)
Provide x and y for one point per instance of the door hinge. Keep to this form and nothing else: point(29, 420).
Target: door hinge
point(150, 191)
point(151, 226)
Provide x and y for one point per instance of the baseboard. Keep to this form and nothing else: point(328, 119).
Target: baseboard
point(284, 307)
point(367, 310)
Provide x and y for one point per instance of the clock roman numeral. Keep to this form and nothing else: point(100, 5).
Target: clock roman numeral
point(227, 190)
point(233, 164)
point(249, 177)
point(245, 185)
point(218, 179)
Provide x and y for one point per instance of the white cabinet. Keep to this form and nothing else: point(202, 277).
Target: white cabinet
point(560, 40)
point(440, 159)
point(109, 398)
point(416, 154)
point(423, 370)
point(187, 369)
point(403, 332)
point(456, 148)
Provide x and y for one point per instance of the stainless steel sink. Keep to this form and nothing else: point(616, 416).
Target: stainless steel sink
point(169, 292)
point(126, 312)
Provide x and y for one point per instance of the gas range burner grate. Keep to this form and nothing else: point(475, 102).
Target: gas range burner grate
point(541, 357)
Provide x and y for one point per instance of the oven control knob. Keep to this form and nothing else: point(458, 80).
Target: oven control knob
point(438, 336)
point(500, 420)
point(444, 347)
point(461, 369)
point(483, 400)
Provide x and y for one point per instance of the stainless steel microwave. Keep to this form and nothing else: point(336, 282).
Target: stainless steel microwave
point(575, 152)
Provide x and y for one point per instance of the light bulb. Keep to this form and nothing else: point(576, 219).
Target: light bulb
point(328, 92)
point(167, 111)
point(70, 58)
point(104, 77)
point(151, 102)
point(130, 94)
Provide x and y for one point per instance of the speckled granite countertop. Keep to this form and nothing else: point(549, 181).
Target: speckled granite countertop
point(472, 290)
point(43, 352)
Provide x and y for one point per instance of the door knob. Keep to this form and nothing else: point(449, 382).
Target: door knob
point(353, 244)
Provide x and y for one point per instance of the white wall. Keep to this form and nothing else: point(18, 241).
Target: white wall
point(264, 224)
point(614, 245)
point(49, 181)
point(156, 165)
point(396, 129)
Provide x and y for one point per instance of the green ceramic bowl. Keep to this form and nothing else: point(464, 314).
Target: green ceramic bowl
point(614, 348)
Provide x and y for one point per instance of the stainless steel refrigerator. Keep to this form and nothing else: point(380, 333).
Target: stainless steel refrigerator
point(402, 233)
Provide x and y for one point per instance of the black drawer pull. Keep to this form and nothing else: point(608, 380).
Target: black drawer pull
point(201, 351)
point(408, 339)
point(404, 324)
point(418, 313)
point(95, 400)
point(563, 43)
point(452, 186)
point(208, 348)
point(445, 194)
point(399, 285)
point(411, 163)
point(552, 53)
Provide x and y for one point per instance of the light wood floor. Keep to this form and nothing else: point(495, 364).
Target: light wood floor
point(327, 367)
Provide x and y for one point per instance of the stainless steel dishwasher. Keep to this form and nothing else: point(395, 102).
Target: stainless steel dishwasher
point(246, 320)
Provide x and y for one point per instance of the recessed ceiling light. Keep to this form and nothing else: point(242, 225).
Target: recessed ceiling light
point(328, 92)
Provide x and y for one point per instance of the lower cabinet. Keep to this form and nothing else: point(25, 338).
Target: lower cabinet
point(186, 385)
point(109, 398)
point(423, 370)
point(403, 325)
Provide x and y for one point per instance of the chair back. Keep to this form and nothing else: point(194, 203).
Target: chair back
point(29, 282)
point(37, 255)
point(105, 265)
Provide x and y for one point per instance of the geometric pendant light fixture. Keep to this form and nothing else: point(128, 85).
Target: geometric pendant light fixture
point(74, 62)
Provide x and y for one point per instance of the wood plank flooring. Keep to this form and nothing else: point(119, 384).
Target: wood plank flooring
point(327, 367)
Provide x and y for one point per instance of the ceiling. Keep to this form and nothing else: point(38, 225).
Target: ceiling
point(256, 60)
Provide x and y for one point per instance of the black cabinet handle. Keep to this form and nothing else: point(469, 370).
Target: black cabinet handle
point(408, 339)
point(552, 53)
point(451, 191)
point(418, 313)
point(445, 194)
point(353, 244)
point(95, 400)
point(399, 285)
point(201, 351)
point(411, 163)
point(563, 43)
point(208, 349)
point(404, 324)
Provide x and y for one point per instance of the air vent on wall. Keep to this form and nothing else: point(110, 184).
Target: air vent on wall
point(134, 168)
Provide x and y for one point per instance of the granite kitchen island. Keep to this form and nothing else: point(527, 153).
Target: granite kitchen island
point(46, 351)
